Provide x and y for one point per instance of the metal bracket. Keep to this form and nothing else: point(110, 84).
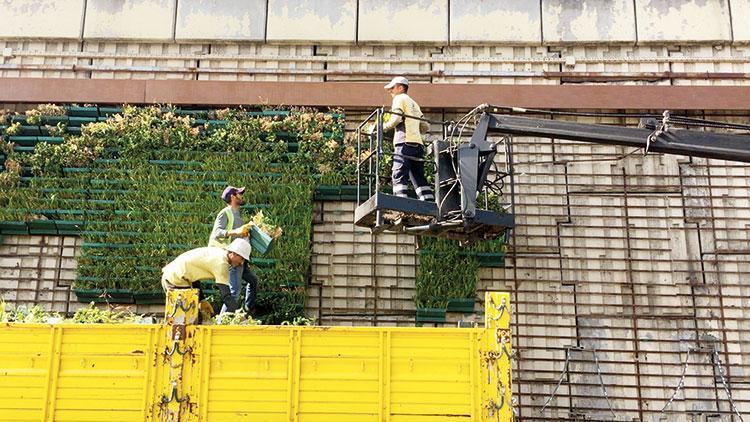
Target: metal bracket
point(176, 349)
point(181, 305)
point(173, 396)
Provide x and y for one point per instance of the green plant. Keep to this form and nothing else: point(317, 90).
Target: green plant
point(14, 129)
point(34, 116)
point(235, 318)
point(300, 320)
point(444, 272)
point(94, 315)
point(25, 314)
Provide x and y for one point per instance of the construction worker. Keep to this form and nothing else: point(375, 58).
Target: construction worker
point(408, 154)
point(227, 226)
point(187, 270)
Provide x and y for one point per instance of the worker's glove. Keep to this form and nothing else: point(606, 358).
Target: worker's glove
point(235, 232)
point(246, 229)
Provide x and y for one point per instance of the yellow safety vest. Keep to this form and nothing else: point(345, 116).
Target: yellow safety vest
point(224, 243)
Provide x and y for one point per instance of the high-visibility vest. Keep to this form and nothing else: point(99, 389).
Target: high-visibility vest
point(224, 243)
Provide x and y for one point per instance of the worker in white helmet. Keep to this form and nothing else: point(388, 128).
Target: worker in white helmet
point(408, 154)
point(187, 270)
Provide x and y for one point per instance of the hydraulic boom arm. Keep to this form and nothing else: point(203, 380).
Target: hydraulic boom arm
point(654, 137)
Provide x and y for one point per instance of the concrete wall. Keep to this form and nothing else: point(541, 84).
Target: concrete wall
point(381, 21)
point(657, 64)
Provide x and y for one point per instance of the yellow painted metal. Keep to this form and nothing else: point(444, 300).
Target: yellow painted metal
point(496, 357)
point(184, 372)
point(74, 372)
point(181, 313)
point(181, 307)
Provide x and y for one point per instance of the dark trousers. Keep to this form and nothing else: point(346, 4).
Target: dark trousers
point(227, 300)
point(251, 287)
point(408, 165)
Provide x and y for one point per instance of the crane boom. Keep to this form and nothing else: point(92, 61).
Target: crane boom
point(671, 141)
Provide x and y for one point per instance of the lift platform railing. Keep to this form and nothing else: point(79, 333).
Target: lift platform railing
point(372, 157)
point(465, 173)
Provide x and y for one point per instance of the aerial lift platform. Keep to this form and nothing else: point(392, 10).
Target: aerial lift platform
point(467, 174)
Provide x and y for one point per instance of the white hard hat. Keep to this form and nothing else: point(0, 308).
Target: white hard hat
point(397, 80)
point(241, 247)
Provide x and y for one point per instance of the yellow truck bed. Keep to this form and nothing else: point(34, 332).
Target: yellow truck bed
point(119, 372)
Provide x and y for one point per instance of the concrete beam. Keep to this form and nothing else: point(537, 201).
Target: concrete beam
point(312, 20)
point(683, 20)
point(589, 21)
point(362, 94)
point(487, 21)
point(61, 19)
point(222, 20)
point(130, 19)
point(404, 21)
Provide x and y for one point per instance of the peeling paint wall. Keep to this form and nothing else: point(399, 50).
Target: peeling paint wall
point(591, 21)
point(129, 19)
point(405, 21)
point(312, 20)
point(440, 22)
point(486, 21)
point(221, 19)
point(684, 20)
point(43, 18)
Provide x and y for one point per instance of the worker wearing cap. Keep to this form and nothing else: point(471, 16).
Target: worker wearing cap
point(187, 270)
point(408, 154)
point(228, 226)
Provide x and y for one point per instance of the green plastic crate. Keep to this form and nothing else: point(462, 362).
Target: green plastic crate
point(13, 227)
point(42, 227)
point(153, 297)
point(119, 296)
point(261, 242)
point(104, 295)
point(83, 111)
point(464, 305)
point(89, 295)
point(77, 122)
point(263, 262)
point(431, 315)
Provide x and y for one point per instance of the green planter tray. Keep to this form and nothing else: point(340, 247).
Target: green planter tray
point(66, 227)
point(104, 295)
point(153, 297)
point(79, 111)
point(430, 315)
point(13, 227)
point(42, 227)
point(461, 305)
point(491, 259)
